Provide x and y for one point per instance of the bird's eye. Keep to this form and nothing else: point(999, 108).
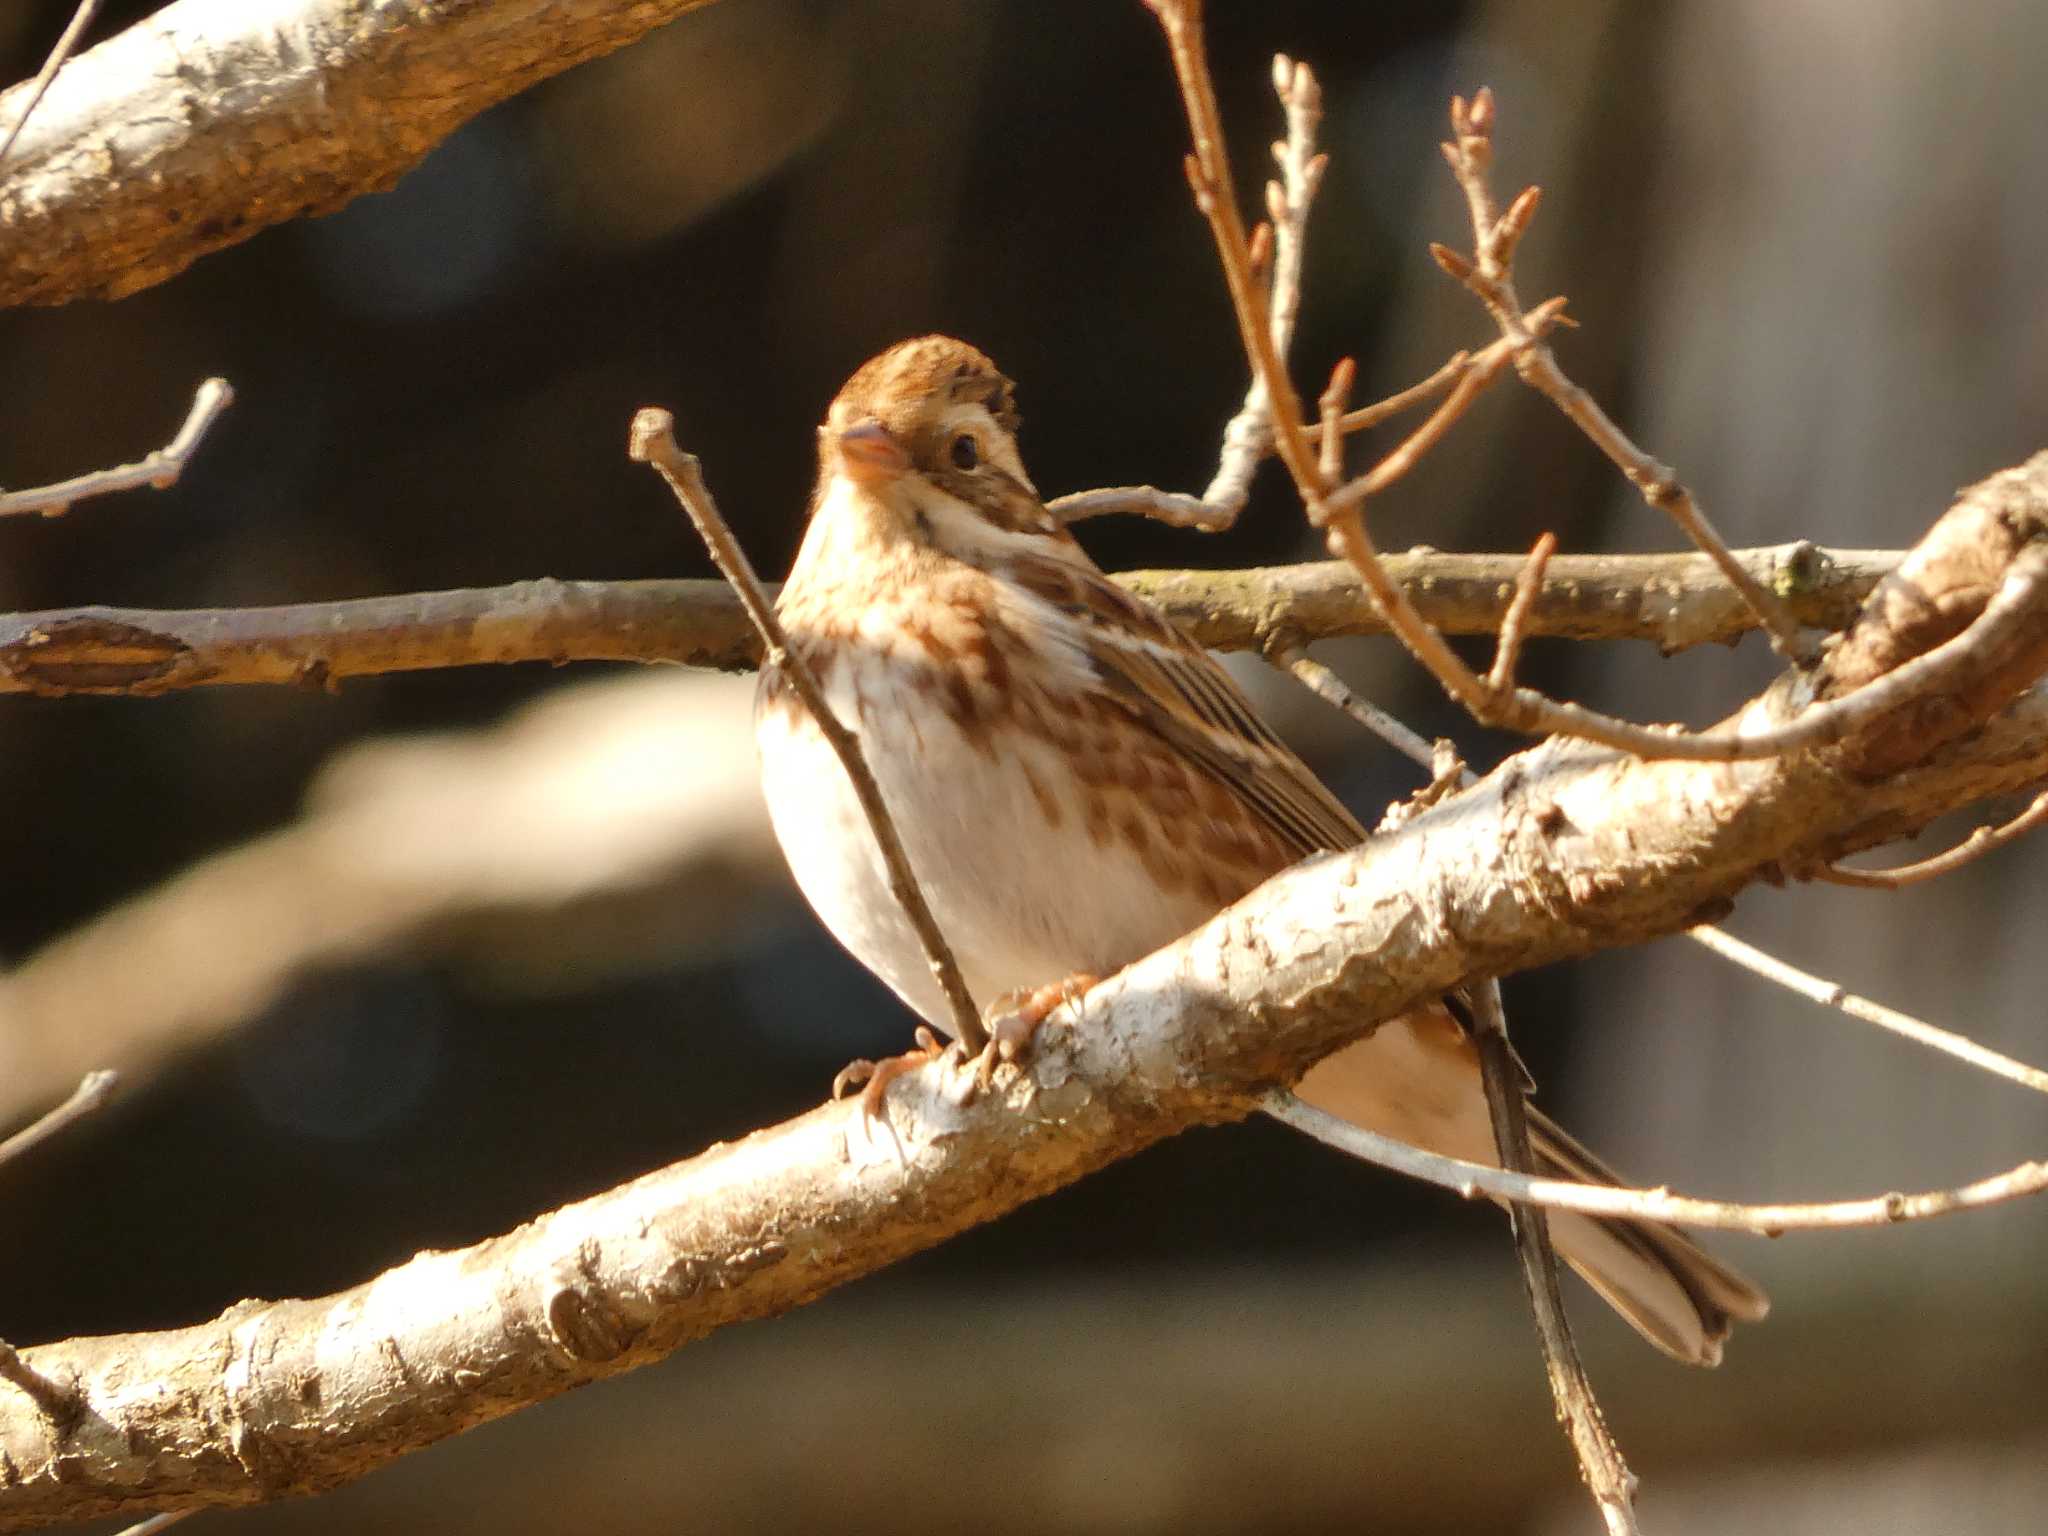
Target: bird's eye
point(966, 451)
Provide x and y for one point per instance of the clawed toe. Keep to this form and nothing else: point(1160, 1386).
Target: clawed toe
point(1014, 1019)
point(874, 1077)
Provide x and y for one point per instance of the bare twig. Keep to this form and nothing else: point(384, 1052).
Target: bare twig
point(159, 469)
point(1600, 1461)
point(1333, 690)
point(1832, 995)
point(59, 1404)
point(1249, 436)
point(1176, 509)
point(1508, 653)
point(1980, 842)
point(1475, 1181)
point(653, 442)
point(1367, 417)
point(1274, 263)
point(89, 1095)
point(68, 41)
point(1490, 276)
point(156, 1523)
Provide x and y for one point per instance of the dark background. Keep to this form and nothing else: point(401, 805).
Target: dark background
point(433, 390)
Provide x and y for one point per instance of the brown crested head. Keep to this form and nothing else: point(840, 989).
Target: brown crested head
point(906, 382)
point(941, 411)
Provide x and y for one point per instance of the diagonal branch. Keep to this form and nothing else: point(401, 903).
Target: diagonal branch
point(653, 442)
point(1607, 1475)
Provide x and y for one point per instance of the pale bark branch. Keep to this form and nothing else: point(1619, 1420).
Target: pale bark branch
point(1564, 849)
point(205, 123)
point(1672, 601)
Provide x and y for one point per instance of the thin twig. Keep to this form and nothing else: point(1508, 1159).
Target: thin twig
point(80, 20)
point(1600, 1460)
point(1476, 1181)
point(58, 1403)
point(1249, 436)
point(1490, 276)
point(1332, 689)
point(1482, 370)
point(1368, 416)
point(1273, 266)
point(155, 1523)
point(1176, 509)
point(1832, 995)
point(1980, 842)
point(653, 442)
point(159, 470)
point(1507, 655)
point(92, 1092)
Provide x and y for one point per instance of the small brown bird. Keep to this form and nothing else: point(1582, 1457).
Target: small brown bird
point(1077, 783)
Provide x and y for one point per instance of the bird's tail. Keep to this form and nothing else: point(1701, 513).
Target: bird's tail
point(1417, 1079)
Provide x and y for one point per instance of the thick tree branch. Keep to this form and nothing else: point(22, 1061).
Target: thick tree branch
point(1564, 849)
point(1673, 601)
point(205, 123)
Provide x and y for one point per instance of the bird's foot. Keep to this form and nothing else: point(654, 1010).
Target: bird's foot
point(1014, 1019)
point(874, 1077)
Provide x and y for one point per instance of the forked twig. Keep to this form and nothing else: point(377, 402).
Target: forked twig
point(1248, 436)
point(92, 1092)
point(1980, 842)
point(159, 469)
point(1490, 276)
point(1476, 1181)
point(653, 442)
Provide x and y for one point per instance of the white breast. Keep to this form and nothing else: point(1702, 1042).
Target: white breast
point(1023, 899)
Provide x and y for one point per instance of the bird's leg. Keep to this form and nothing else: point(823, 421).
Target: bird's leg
point(1015, 1018)
point(878, 1075)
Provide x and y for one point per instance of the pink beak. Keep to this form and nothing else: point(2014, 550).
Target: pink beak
point(870, 454)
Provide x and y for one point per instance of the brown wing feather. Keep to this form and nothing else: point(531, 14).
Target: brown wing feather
point(1176, 688)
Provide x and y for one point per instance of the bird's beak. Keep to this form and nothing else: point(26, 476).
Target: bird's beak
point(869, 453)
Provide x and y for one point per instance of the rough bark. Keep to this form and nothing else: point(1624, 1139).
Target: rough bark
point(205, 123)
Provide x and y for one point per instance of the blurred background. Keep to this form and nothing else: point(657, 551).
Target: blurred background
point(399, 966)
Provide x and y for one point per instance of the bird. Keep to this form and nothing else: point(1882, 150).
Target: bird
point(1076, 783)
